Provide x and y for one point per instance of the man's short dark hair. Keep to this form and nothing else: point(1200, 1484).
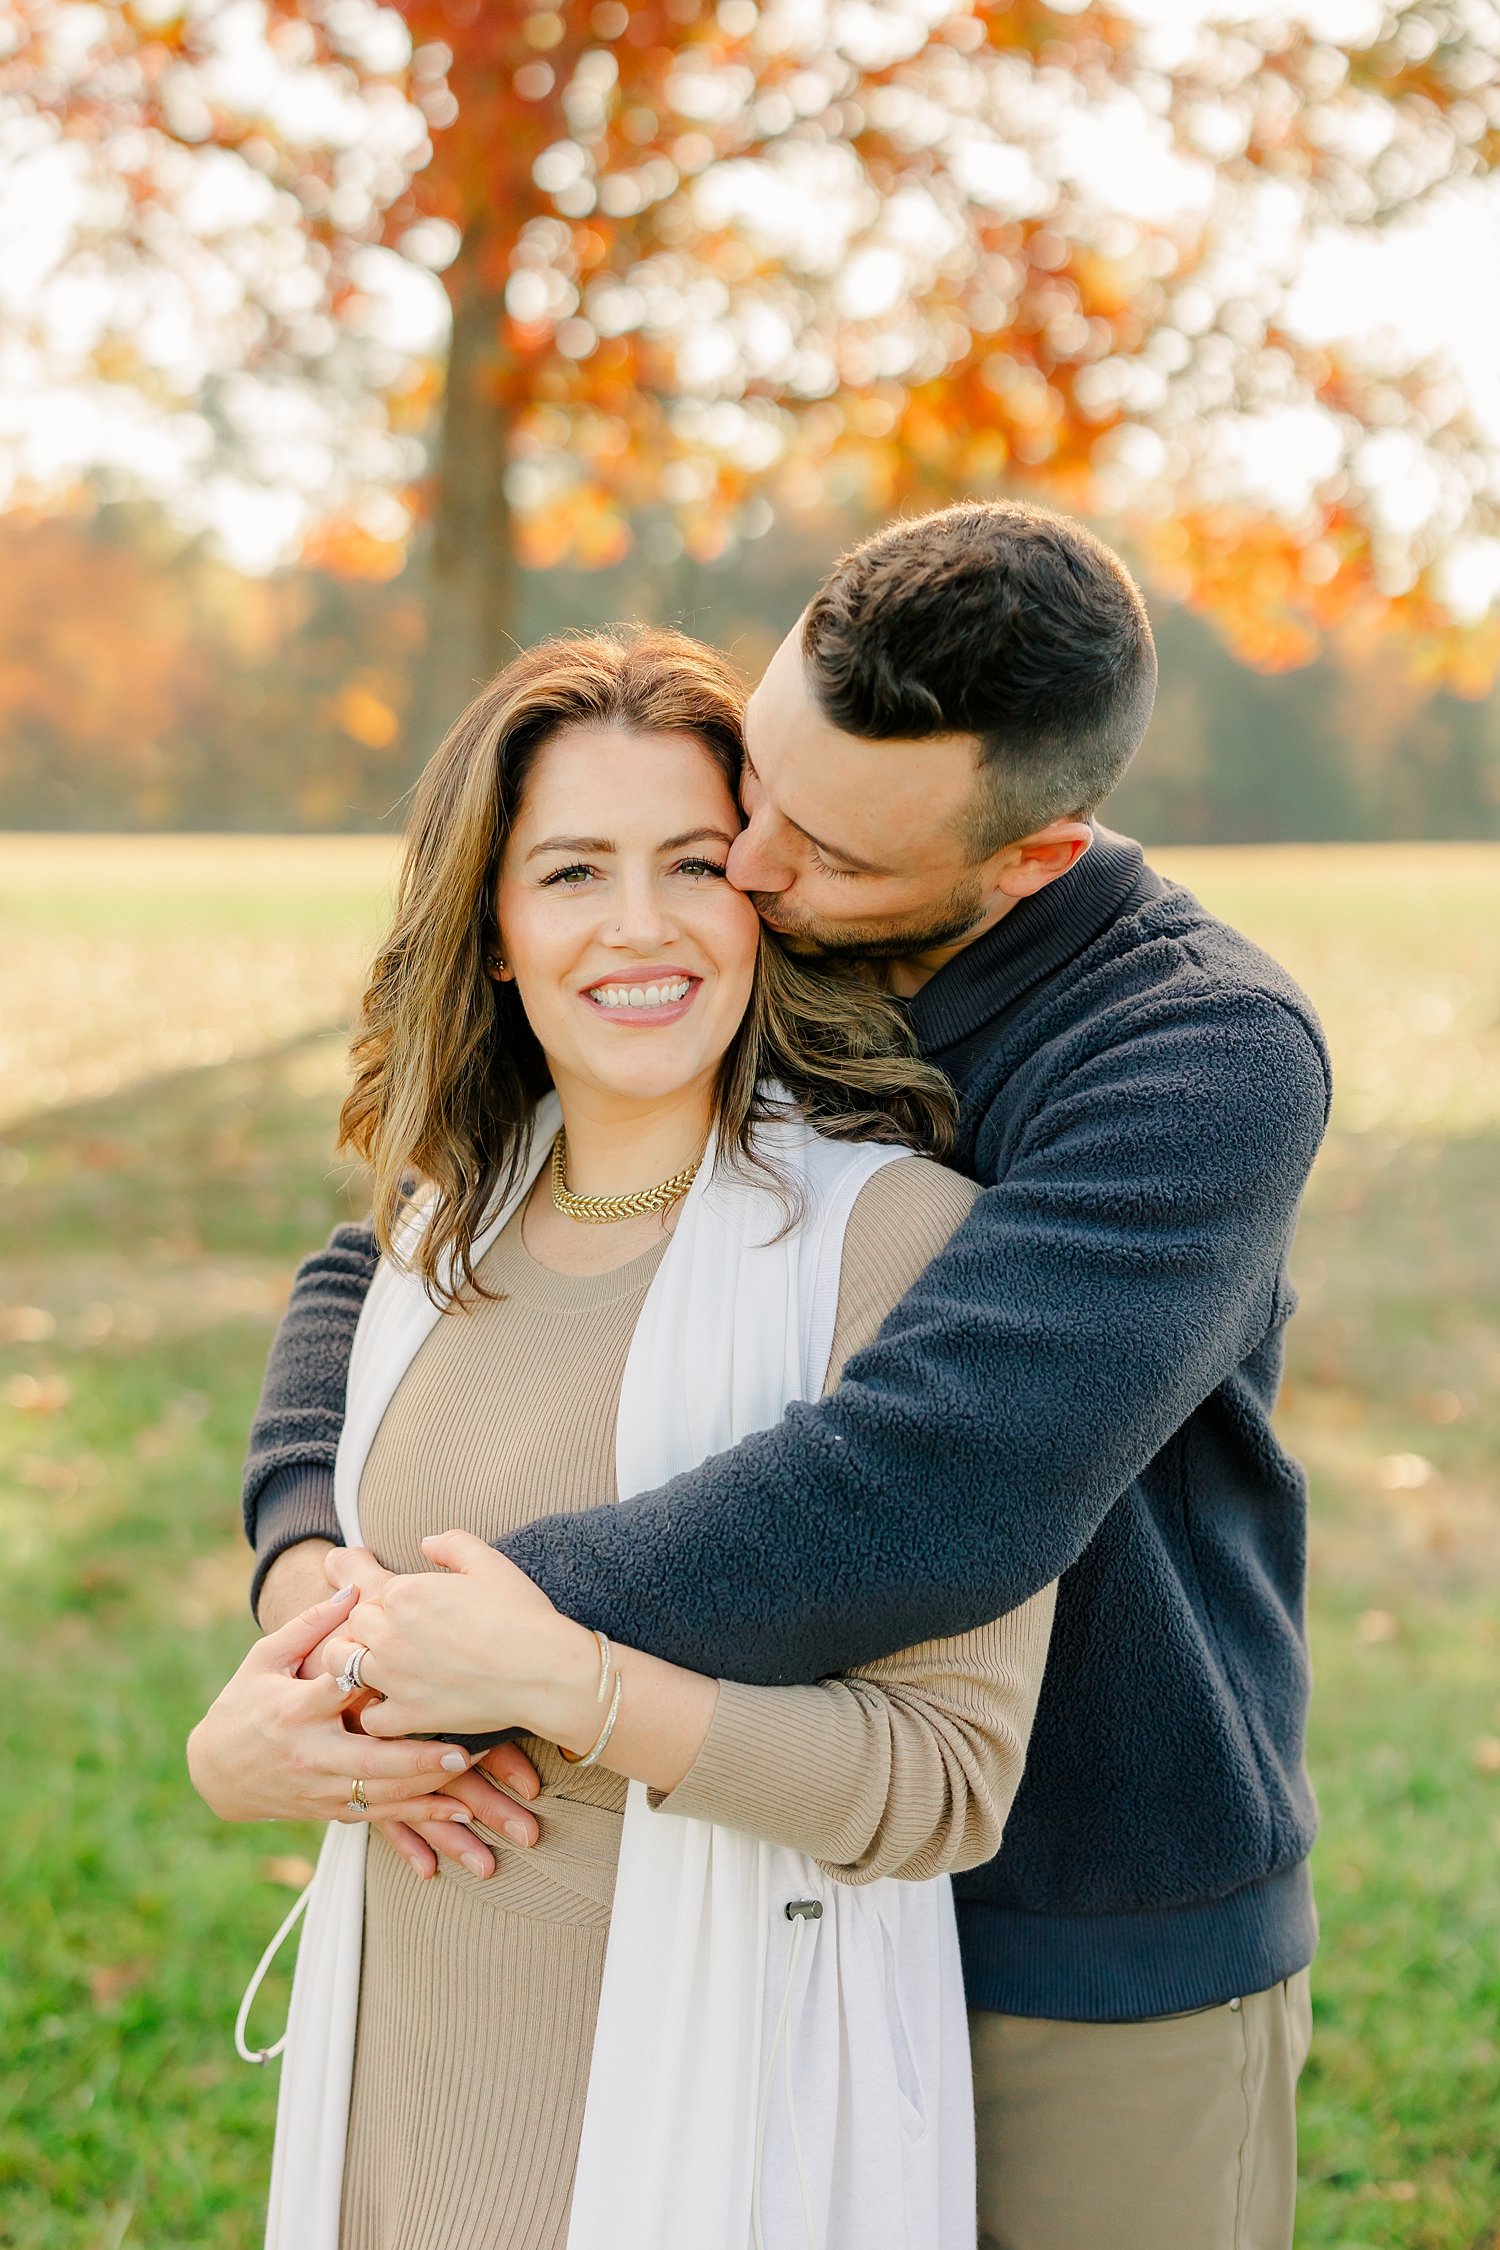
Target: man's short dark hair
point(1000, 620)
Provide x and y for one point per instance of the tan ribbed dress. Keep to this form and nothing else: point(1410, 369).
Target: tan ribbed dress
point(478, 1998)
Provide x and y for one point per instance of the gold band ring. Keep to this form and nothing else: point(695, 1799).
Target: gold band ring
point(358, 1801)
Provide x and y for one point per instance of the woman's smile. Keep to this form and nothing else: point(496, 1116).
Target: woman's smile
point(644, 1000)
point(633, 955)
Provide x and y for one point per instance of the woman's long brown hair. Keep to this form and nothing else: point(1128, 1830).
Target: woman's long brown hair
point(446, 1068)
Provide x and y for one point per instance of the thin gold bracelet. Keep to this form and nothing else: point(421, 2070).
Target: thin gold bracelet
point(592, 1757)
point(606, 1663)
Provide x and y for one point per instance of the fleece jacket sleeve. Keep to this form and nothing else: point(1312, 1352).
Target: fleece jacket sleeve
point(288, 1485)
point(1126, 1263)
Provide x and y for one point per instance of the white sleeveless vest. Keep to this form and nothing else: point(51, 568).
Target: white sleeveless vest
point(759, 2081)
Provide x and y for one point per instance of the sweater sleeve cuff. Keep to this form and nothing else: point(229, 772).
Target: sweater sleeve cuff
point(783, 1764)
point(296, 1503)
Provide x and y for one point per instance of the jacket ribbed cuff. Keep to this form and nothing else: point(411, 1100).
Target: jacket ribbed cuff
point(293, 1504)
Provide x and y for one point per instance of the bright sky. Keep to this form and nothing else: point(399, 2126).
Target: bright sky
point(1425, 289)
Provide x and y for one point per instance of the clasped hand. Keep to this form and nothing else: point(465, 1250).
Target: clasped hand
point(466, 1648)
point(284, 1740)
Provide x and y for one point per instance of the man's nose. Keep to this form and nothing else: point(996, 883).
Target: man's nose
point(754, 863)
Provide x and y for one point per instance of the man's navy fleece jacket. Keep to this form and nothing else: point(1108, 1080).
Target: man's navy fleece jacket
point(1080, 1386)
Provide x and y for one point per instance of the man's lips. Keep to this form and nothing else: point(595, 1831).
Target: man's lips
point(655, 997)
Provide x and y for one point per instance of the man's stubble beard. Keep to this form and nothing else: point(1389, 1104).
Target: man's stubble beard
point(961, 912)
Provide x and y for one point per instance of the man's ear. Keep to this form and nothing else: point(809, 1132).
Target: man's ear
point(1033, 862)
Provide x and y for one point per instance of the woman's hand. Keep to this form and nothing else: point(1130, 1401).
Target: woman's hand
point(275, 1747)
point(468, 1647)
point(420, 1841)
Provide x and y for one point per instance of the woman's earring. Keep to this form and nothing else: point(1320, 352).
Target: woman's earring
point(496, 967)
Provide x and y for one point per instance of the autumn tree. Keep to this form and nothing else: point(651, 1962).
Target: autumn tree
point(718, 260)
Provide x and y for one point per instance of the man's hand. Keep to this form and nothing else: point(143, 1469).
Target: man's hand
point(294, 1582)
point(420, 1841)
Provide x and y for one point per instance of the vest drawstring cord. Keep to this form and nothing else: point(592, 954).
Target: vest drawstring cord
point(799, 1912)
point(245, 2052)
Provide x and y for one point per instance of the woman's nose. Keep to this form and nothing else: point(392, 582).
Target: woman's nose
point(644, 921)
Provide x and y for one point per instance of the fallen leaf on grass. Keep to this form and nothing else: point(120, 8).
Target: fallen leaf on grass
point(37, 1394)
point(111, 1980)
point(291, 1871)
point(39, 1474)
point(1375, 1626)
point(99, 1152)
point(1487, 1753)
point(1403, 1472)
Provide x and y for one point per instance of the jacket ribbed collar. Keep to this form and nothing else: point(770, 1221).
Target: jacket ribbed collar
point(1036, 939)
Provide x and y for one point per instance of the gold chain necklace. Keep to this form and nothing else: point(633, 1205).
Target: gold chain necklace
point(607, 1210)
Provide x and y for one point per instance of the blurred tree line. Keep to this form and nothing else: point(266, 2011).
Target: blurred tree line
point(143, 684)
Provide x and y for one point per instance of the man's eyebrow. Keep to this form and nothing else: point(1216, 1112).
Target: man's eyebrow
point(827, 851)
point(837, 851)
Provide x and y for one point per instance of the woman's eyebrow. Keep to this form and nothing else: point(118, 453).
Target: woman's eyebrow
point(605, 844)
point(571, 844)
point(698, 836)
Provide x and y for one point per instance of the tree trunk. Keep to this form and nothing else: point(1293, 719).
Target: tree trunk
point(472, 587)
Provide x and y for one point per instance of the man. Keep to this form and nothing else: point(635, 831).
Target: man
point(1079, 1386)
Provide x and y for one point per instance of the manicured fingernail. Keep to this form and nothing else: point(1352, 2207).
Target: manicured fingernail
point(518, 1832)
point(463, 1819)
point(475, 1864)
point(527, 1787)
point(454, 1761)
point(343, 1593)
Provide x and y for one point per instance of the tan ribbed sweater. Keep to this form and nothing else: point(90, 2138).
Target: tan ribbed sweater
point(477, 1999)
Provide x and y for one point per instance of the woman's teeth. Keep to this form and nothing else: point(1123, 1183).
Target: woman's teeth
point(641, 995)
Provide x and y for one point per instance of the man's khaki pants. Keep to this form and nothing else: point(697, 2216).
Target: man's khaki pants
point(1174, 2134)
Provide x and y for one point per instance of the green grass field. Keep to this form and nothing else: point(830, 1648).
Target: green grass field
point(149, 1235)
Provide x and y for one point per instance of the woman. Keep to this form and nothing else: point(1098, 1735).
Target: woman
point(666, 1187)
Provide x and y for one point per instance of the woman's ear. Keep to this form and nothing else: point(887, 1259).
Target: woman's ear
point(496, 966)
